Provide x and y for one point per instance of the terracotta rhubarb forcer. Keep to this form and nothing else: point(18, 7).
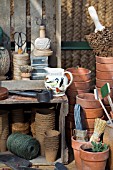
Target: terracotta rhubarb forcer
point(108, 139)
point(76, 150)
point(93, 160)
point(104, 60)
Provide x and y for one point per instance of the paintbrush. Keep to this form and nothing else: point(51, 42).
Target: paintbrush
point(99, 127)
point(97, 98)
point(105, 91)
point(102, 39)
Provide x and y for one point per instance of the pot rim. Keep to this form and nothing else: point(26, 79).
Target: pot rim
point(80, 68)
point(85, 99)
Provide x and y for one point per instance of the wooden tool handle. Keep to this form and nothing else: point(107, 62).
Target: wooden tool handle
point(42, 31)
point(94, 16)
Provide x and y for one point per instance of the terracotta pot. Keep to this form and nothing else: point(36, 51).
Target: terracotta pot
point(80, 85)
point(104, 75)
point(93, 160)
point(108, 139)
point(89, 123)
point(80, 74)
point(93, 113)
point(104, 60)
point(87, 100)
point(76, 149)
point(76, 91)
point(104, 67)
point(100, 83)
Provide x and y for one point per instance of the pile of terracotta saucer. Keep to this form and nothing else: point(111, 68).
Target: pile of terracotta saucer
point(81, 84)
point(3, 93)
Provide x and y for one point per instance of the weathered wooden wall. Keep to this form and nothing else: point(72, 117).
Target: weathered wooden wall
point(25, 16)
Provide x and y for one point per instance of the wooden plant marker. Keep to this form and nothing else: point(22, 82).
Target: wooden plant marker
point(105, 91)
point(97, 98)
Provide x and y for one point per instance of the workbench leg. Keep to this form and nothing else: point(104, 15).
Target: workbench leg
point(64, 150)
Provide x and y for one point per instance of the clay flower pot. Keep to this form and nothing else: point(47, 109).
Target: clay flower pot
point(25, 76)
point(107, 60)
point(93, 113)
point(93, 160)
point(80, 74)
point(100, 82)
point(104, 67)
point(104, 75)
point(80, 85)
point(76, 150)
point(87, 100)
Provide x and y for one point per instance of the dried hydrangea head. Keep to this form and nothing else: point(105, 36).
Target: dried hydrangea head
point(26, 69)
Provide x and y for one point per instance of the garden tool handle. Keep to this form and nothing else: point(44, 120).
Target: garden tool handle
point(94, 16)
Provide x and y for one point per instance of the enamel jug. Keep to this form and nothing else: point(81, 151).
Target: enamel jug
point(58, 80)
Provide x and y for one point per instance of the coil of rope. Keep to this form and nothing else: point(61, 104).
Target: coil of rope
point(22, 145)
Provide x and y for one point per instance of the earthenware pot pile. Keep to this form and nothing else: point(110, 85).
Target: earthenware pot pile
point(91, 110)
point(104, 74)
point(80, 84)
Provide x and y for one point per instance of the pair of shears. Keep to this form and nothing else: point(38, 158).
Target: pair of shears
point(20, 41)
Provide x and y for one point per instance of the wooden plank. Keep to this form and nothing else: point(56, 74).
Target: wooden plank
point(23, 84)
point(5, 18)
point(50, 12)
point(58, 32)
point(36, 16)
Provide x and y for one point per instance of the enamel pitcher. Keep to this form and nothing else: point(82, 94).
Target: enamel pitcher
point(58, 80)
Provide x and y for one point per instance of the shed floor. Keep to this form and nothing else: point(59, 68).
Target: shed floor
point(70, 166)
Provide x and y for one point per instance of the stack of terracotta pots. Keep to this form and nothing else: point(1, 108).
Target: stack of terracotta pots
point(91, 110)
point(104, 74)
point(80, 84)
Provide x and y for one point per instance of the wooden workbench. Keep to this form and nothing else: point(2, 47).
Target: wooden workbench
point(15, 99)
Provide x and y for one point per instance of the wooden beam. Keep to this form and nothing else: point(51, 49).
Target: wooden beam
point(58, 32)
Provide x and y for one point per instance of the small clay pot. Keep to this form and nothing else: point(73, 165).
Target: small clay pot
point(80, 74)
point(104, 75)
point(100, 83)
point(87, 100)
point(104, 67)
point(93, 160)
point(107, 60)
point(25, 76)
point(89, 123)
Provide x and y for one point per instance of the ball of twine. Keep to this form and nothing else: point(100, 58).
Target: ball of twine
point(24, 146)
